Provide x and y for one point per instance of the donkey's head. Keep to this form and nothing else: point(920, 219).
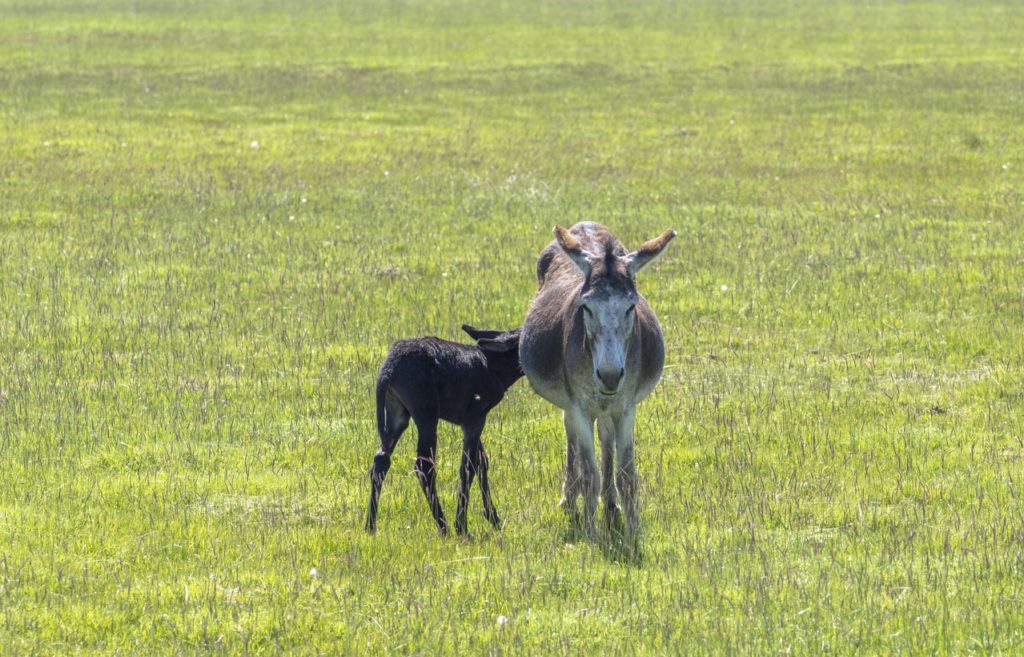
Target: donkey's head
point(608, 299)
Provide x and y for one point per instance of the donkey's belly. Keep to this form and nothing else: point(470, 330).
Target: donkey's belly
point(540, 356)
point(549, 388)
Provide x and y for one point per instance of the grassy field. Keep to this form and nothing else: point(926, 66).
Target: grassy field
point(216, 216)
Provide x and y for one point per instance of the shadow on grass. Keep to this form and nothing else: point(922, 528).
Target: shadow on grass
point(615, 545)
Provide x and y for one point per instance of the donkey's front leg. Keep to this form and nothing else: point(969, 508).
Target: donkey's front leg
point(579, 429)
point(606, 434)
point(571, 485)
point(626, 468)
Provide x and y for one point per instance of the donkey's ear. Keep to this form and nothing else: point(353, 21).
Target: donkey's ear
point(648, 252)
point(572, 248)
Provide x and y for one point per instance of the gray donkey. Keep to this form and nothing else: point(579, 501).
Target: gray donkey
point(591, 345)
point(430, 379)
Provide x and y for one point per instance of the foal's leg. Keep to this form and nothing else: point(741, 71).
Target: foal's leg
point(469, 467)
point(606, 433)
point(482, 465)
point(580, 428)
point(396, 419)
point(426, 455)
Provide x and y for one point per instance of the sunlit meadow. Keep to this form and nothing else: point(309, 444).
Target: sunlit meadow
point(215, 217)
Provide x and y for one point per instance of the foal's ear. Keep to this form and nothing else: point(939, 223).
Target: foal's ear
point(573, 249)
point(504, 341)
point(480, 334)
point(648, 252)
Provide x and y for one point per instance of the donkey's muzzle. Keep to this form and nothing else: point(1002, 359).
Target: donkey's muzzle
point(609, 380)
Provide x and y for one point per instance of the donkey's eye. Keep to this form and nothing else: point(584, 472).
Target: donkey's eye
point(588, 311)
point(631, 309)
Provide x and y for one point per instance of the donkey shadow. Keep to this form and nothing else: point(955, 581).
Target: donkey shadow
point(616, 545)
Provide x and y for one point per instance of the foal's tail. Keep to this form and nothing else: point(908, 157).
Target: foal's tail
point(382, 460)
point(382, 422)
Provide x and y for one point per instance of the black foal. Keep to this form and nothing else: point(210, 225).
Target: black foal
point(429, 379)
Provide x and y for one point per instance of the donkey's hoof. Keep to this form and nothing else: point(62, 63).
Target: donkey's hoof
point(613, 517)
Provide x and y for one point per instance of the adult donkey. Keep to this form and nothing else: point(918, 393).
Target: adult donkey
point(591, 345)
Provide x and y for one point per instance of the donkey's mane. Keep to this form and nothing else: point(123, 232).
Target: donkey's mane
point(609, 272)
point(597, 240)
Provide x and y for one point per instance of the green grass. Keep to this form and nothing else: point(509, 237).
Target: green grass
point(216, 217)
